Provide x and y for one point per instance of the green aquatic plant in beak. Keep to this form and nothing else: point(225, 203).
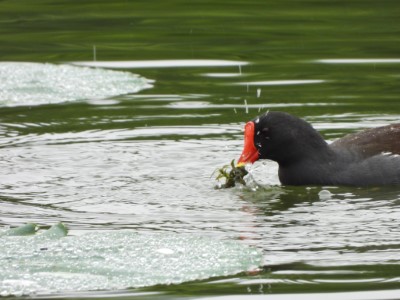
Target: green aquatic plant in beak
point(235, 175)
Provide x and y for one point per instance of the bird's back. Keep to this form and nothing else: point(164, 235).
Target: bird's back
point(371, 142)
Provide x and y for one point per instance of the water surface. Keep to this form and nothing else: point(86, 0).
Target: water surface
point(143, 159)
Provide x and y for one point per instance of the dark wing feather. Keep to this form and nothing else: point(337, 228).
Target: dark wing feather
point(373, 141)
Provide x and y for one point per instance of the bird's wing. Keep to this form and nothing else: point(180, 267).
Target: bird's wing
point(370, 142)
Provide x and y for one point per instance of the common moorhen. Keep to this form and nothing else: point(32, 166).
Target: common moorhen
point(367, 158)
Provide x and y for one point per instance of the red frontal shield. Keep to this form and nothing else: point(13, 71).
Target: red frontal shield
point(250, 152)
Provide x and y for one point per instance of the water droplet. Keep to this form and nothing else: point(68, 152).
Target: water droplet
point(246, 106)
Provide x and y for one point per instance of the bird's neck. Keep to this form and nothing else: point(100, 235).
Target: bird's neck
point(319, 164)
point(306, 153)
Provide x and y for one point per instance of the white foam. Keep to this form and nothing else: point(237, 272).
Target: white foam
point(115, 260)
point(24, 83)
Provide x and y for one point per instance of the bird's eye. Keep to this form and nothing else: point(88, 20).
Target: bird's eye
point(265, 132)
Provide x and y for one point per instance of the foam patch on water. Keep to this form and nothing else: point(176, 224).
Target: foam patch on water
point(37, 83)
point(114, 260)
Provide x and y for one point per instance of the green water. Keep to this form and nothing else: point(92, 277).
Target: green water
point(143, 161)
